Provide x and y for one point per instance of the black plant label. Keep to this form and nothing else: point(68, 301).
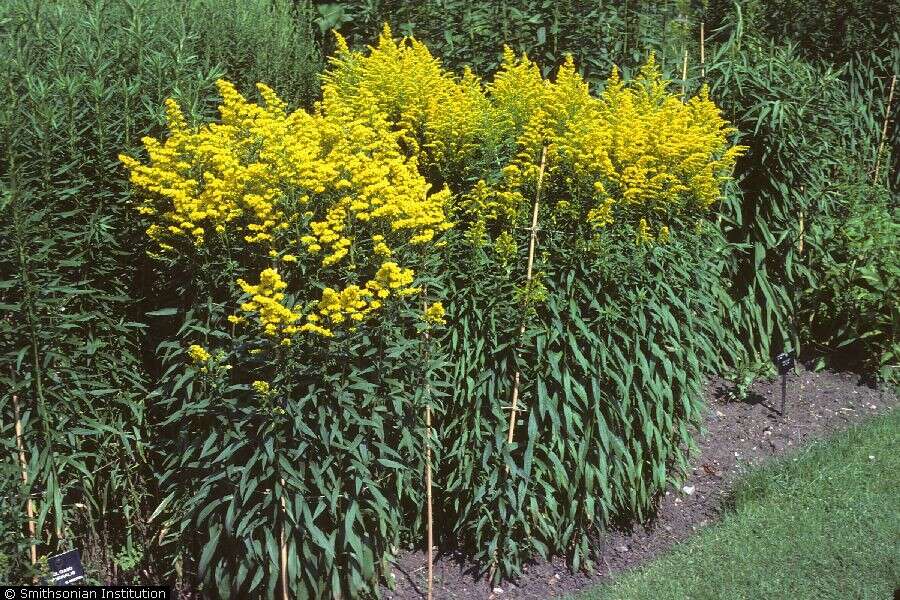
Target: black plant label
point(65, 568)
point(784, 362)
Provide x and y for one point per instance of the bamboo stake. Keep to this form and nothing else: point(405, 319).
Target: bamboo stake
point(702, 49)
point(428, 499)
point(684, 75)
point(282, 534)
point(528, 276)
point(884, 128)
point(283, 558)
point(796, 333)
point(529, 273)
point(29, 507)
point(802, 225)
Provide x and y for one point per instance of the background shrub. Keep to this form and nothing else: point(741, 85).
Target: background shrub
point(835, 30)
point(798, 181)
point(463, 33)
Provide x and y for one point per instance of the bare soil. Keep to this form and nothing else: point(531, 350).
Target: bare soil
point(734, 436)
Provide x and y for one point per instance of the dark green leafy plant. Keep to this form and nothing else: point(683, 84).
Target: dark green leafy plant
point(612, 366)
point(325, 462)
point(850, 309)
point(463, 33)
point(796, 185)
point(830, 29)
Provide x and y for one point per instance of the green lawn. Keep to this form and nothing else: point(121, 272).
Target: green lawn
point(821, 523)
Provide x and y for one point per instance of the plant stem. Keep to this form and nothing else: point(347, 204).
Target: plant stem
point(283, 555)
point(429, 501)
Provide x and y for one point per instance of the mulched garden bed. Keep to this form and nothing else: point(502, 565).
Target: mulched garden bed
point(736, 434)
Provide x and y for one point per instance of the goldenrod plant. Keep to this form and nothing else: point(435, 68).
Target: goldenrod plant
point(312, 232)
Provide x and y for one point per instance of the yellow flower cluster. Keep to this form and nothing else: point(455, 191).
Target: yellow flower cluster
point(198, 354)
point(663, 234)
point(635, 152)
point(200, 180)
point(440, 118)
point(266, 304)
point(435, 313)
point(335, 184)
point(262, 388)
point(643, 233)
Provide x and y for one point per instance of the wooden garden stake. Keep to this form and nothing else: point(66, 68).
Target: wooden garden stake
point(428, 502)
point(884, 128)
point(684, 75)
point(283, 558)
point(702, 49)
point(528, 276)
point(429, 508)
point(29, 506)
point(794, 320)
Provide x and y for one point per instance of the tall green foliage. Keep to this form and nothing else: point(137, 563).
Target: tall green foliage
point(848, 312)
point(464, 33)
point(81, 82)
point(837, 30)
point(813, 140)
point(327, 465)
point(861, 39)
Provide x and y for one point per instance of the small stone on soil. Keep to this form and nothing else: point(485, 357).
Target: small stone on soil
point(688, 489)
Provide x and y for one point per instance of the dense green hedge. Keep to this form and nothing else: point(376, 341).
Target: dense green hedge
point(463, 33)
point(805, 186)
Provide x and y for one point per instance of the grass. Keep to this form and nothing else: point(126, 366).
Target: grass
point(821, 523)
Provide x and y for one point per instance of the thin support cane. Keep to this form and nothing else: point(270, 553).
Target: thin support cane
point(528, 276)
point(23, 463)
